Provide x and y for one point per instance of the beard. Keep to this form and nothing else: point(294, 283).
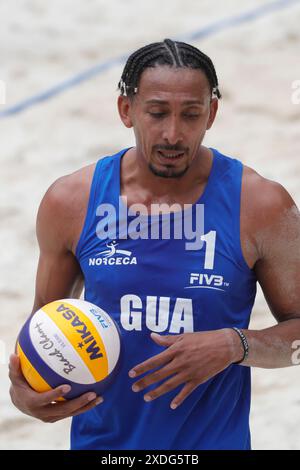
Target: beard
point(169, 172)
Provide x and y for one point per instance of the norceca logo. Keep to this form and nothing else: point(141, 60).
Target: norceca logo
point(112, 256)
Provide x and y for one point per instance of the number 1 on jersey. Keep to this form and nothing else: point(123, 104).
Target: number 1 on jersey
point(210, 246)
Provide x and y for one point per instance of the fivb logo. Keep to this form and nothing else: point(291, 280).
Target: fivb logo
point(2, 92)
point(112, 256)
point(207, 281)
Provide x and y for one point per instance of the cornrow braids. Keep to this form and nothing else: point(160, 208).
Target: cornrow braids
point(172, 48)
point(126, 84)
point(192, 53)
point(172, 53)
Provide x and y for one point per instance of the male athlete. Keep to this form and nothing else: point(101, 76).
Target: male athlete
point(183, 313)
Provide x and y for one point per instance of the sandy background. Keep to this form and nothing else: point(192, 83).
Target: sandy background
point(43, 43)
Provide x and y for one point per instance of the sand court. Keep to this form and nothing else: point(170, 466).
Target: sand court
point(43, 45)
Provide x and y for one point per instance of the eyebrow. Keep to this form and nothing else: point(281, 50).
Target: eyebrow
point(185, 103)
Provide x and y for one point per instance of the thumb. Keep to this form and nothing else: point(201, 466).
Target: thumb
point(164, 340)
point(14, 362)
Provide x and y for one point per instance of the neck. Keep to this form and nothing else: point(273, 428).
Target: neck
point(135, 172)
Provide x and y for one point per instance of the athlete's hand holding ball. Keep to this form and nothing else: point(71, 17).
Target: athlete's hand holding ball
point(44, 405)
point(68, 354)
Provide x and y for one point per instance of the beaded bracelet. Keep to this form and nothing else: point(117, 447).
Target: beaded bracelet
point(244, 343)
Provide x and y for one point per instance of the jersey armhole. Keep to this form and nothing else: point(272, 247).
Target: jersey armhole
point(90, 206)
point(237, 220)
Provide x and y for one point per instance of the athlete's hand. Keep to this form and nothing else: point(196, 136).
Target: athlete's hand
point(43, 405)
point(190, 359)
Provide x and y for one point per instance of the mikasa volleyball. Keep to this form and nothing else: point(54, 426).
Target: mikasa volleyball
point(73, 342)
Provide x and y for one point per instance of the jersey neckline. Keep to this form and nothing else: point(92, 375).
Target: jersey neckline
point(200, 200)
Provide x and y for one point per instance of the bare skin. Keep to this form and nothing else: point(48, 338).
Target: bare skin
point(58, 276)
point(269, 231)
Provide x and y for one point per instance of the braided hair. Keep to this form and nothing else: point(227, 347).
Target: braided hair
point(172, 53)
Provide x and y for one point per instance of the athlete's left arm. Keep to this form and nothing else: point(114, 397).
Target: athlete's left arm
point(277, 237)
point(190, 359)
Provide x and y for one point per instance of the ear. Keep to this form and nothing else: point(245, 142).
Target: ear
point(213, 111)
point(124, 107)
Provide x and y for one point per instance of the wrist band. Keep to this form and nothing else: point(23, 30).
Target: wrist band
point(244, 343)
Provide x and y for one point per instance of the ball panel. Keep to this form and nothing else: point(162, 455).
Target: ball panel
point(58, 345)
point(107, 329)
point(57, 350)
point(32, 376)
point(82, 334)
point(54, 380)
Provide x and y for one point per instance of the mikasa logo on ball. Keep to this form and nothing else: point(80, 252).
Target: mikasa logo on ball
point(87, 339)
point(112, 256)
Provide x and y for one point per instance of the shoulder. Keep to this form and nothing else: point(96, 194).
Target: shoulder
point(263, 198)
point(68, 195)
point(63, 207)
point(267, 209)
point(70, 189)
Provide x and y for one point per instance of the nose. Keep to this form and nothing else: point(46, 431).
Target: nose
point(172, 131)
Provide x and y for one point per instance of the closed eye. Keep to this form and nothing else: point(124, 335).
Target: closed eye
point(186, 115)
point(191, 116)
point(157, 115)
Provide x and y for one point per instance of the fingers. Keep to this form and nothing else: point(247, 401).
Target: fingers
point(42, 405)
point(156, 361)
point(156, 376)
point(169, 385)
point(15, 373)
point(71, 406)
point(57, 411)
point(169, 341)
point(88, 407)
point(164, 340)
point(183, 394)
point(166, 387)
point(48, 397)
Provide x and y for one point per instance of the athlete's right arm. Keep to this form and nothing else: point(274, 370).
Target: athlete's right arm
point(58, 276)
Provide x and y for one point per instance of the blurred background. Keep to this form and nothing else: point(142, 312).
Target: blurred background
point(81, 45)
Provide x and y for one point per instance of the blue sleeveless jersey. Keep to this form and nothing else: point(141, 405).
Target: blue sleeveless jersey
point(158, 285)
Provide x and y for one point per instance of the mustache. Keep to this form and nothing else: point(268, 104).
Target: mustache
point(170, 148)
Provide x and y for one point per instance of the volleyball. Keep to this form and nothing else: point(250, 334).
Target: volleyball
point(73, 342)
